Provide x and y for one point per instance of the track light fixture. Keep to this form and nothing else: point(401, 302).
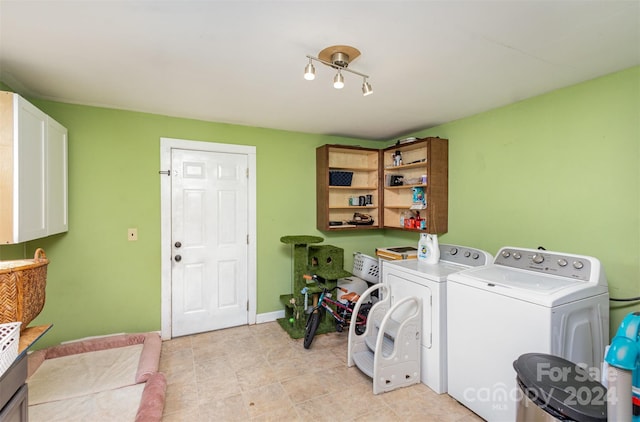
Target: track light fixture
point(309, 71)
point(338, 80)
point(366, 88)
point(337, 57)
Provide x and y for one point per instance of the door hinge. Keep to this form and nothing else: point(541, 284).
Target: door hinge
point(247, 172)
point(247, 306)
point(247, 239)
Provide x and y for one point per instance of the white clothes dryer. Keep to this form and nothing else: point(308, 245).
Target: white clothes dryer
point(415, 278)
point(526, 301)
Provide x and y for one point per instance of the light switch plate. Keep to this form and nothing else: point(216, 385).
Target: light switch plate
point(132, 234)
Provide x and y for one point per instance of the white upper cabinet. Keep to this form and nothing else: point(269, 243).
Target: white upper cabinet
point(33, 172)
point(56, 178)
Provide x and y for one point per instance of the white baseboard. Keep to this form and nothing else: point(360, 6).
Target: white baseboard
point(269, 316)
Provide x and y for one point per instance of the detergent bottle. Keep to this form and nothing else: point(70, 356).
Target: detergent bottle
point(428, 248)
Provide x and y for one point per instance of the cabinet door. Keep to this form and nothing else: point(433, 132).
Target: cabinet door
point(57, 183)
point(7, 198)
point(29, 186)
point(17, 409)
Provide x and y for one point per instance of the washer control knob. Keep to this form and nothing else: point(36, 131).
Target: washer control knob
point(453, 251)
point(538, 258)
point(505, 254)
point(516, 255)
point(562, 262)
point(475, 255)
point(578, 265)
point(467, 254)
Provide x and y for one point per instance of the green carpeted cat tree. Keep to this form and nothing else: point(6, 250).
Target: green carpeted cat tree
point(325, 261)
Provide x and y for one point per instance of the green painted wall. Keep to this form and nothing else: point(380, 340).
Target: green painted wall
point(560, 170)
point(98, 281)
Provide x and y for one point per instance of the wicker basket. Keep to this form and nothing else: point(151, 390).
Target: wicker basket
point(22, 288)
point(365, 267)
point(9, 341)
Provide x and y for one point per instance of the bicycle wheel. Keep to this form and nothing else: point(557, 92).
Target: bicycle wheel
point(312, 326)
point(361, 326)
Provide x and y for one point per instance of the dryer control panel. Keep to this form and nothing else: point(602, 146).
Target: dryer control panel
point(575, 267)
point(464, 255)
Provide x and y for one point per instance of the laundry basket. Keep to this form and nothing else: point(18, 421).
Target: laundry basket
point(22, 288)
point(9, 342)
point(366, 267)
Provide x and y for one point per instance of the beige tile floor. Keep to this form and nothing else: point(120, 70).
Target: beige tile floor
point(259, 373)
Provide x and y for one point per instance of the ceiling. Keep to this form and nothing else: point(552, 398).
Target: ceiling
point(241, 62)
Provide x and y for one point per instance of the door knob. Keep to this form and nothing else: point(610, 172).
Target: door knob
point(178, 258)
point(178, 244)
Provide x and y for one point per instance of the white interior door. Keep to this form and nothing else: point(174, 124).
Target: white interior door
point(209, 242)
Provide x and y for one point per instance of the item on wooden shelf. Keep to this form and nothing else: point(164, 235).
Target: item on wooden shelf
point(421, 223)
point(418, 196)
point(410, 223)
point(340, 178)
point(22, 288)
point(341, 225)
point(395, 180)
point(360, 219)
point(397, 158)
point(406, 140)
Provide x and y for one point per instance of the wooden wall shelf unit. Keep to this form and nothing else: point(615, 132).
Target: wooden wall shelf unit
point(333, 202)
point(426, 158)
point(371, 169)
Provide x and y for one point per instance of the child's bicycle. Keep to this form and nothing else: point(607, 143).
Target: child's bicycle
point(342, 313)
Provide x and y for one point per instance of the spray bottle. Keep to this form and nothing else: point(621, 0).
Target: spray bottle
point(428, 248)
point(622, 364)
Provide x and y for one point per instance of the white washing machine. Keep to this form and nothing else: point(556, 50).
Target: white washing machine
point(415, 278)
point(526, 301)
